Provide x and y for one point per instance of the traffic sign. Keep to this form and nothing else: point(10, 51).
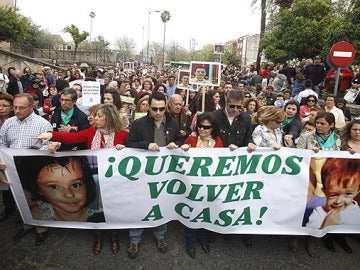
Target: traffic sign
point(342, 54)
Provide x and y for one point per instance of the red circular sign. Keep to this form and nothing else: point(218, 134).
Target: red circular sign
point(342, 54)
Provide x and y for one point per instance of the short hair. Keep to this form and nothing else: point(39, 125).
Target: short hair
point(61, 84)
point(7, 97)
point(328, 116)
point(331, 96)
point(78, 84)
point(308, 83)
point(234, 95)
point(159, 96)
point(344, 172)
point(71, 92)
point(211, 118)
point(311, 96)
point(29, 97)
point(29, 171)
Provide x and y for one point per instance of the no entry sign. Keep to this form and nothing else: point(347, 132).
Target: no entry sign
point(342, 54)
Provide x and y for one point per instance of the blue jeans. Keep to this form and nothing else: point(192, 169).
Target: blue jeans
point(136, 234)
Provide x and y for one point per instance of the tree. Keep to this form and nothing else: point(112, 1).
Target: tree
point(299, 31)
point(76, 35)
point(13, 26)
point(125, 47)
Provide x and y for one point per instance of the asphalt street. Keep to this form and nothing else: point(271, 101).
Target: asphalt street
point(72, 249)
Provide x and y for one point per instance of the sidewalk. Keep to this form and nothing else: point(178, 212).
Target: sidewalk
point(72, 249)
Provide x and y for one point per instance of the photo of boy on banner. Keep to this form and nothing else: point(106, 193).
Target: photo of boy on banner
point(219, 49)
point(61, 188)
point(334, 193)
point(183, 79)
point(205, 73)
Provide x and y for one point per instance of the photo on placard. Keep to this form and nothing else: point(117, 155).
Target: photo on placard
point(61, 188)
point(219, 49)
point(205, 73)
point(183, 79)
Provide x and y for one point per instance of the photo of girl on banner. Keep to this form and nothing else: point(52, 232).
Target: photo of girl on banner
point(333, 194)
point(183, 79)
point(61, 188)
point(205, 73)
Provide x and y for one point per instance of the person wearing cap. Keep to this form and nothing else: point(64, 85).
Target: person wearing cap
point(50, 78)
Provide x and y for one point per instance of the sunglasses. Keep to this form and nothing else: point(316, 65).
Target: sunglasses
point(204, 127)
point(155, 109)
point(247, 96)
point(235, 106)
point(311, 100)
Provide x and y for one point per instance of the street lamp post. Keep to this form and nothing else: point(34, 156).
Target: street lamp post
point(165, 17)
point(148, 37)
point(92, 16)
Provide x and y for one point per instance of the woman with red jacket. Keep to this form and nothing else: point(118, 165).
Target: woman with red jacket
point(106, 132)
point(207, 131)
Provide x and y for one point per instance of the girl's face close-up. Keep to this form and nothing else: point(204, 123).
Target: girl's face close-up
point(251, 106)
point(63, 187)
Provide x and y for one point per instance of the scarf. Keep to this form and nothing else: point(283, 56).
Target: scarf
point(201, 142)
point(66, 117)
point(326, 144)
point(98, 140)
point(285, 122)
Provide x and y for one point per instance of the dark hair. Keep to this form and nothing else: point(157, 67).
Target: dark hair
point(116, 97)
point(209, 102)
point(311, 96)
point(308, 83)
point(7, 97)
point(247, 102)
point(210, 117)
point(294, 102)
point(235, 95)
point(29, 167)
point(156, 87)
point(329, 117)
point(61, 84)
point(159, 96)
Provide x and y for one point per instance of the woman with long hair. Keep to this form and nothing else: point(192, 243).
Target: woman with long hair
point(106, 132)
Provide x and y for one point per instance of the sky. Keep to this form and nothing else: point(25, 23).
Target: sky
point(203, 20)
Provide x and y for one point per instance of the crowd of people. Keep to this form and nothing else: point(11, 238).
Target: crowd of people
point(276, 106)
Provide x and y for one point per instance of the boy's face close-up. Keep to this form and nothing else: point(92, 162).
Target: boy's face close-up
point(338, 196)
point(63, 187)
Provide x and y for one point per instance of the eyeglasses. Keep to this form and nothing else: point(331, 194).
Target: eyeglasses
point(155, 109)
point(311, 100)
point(65, 100)
point(21, 108)
point(204, 127)
point(232, 106)
point(4, 106)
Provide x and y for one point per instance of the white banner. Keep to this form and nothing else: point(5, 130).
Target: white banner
point(265, 192)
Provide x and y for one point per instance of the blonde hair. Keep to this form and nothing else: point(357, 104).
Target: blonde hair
point(269, 113)
point(112, 117)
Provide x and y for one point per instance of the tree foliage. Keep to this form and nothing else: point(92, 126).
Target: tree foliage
point(125, 47)
point(13, 26)
point(76, 35)
point(299, 31)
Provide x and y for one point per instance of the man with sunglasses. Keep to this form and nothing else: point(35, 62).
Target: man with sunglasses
point(156, 129)
point(235, 129)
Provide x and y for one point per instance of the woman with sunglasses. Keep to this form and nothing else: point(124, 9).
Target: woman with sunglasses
point(207, 136)
point(310, 103)
point(267, 133)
